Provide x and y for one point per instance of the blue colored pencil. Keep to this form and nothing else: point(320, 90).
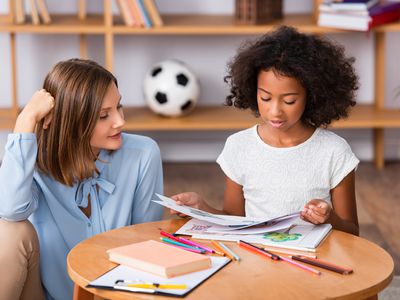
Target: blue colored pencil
point(229, 251)
point(182, 245)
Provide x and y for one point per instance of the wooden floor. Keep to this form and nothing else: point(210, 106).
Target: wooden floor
point(378, 197)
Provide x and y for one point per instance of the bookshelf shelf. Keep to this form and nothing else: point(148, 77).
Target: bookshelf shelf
point(391, 27)
point(67, 24)
point(209, 118)
point(375, 117)
point(205, 118)
point(219, 25)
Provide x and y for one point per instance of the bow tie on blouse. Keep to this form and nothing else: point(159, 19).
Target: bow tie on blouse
point(88, 187)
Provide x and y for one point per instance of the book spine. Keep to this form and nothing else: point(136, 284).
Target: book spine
point(44, 13)
point(144, 14)
point(134, 7)
point(352, 1)
point(343, 21)
point(19, 12)
point(126, 13)
point(384, 7)
point(384, 18)
point(154, 14)
point(354, 5)
point(34, 12)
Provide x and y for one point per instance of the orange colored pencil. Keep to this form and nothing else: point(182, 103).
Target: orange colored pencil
point(220, 249)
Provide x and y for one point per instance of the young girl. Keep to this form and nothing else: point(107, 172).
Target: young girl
point(296, 84)
point(69, 169)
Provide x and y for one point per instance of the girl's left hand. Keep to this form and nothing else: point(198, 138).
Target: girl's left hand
point(316, 211)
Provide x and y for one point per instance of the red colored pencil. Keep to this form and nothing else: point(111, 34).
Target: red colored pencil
point(258, 250)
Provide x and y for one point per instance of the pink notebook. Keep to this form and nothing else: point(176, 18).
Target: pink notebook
point(159, 258)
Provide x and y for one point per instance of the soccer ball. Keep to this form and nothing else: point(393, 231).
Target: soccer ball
point(171, 89)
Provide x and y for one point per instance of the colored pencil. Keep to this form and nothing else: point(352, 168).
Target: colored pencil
point(291, 261)
point(258, 250)
point(288, 252)
point(264, 252)
point(220, 248)
point(170, 236)
point(189, 242)
point(156, 285)
point(322, 264)
point(183, 246)
point(186, 241)
point(228, 250)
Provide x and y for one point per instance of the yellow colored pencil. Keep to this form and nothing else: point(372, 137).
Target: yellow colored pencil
point(158, 286)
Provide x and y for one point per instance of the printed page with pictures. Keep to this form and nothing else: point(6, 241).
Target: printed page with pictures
point(301, 236)
point(229, 222)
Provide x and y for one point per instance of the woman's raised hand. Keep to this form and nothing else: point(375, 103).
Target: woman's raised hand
point(38, 107)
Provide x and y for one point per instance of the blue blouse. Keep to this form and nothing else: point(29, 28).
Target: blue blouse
point(127, 181)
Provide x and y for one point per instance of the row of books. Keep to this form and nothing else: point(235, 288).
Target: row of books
point(140, 13)
point(361, 15)
point(38, 12)
point(135, 13)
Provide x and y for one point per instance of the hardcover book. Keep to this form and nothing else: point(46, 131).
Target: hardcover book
point(43, 11)
point(159, 258)
point(382, 13)
point(354, 4)
point(154, 14)
point(353, 22)
point(126, 13)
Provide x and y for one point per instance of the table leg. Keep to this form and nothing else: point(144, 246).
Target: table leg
point(82, 294)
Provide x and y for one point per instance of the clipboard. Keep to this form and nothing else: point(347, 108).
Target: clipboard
point(192, 280)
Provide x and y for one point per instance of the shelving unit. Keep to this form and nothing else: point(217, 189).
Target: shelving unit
point(375, 116)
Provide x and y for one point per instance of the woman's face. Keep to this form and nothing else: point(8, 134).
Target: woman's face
point(281, 101)
point(107, 132)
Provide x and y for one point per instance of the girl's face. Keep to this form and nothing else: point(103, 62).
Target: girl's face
point(107, 132)
point(281, 101)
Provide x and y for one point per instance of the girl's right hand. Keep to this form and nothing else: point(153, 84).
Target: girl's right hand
point(39, 107)
point(189, 199)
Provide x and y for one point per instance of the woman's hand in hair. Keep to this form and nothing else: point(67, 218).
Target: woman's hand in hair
point(39, 107)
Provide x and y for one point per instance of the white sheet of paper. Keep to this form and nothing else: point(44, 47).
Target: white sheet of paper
point(234, 222)
point(195, 226)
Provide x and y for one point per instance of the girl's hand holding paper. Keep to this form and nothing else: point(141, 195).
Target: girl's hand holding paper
point(191, 199)
point(316, 211)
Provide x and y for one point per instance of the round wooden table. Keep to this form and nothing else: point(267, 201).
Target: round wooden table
point(254, 277)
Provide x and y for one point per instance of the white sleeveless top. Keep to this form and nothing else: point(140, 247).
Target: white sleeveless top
point(278, 181)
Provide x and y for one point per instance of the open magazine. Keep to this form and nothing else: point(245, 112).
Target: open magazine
point(225, 223)
point(288, 231)
point(302, 236)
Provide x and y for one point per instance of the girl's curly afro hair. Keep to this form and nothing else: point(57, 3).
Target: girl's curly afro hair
point(320, 66)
